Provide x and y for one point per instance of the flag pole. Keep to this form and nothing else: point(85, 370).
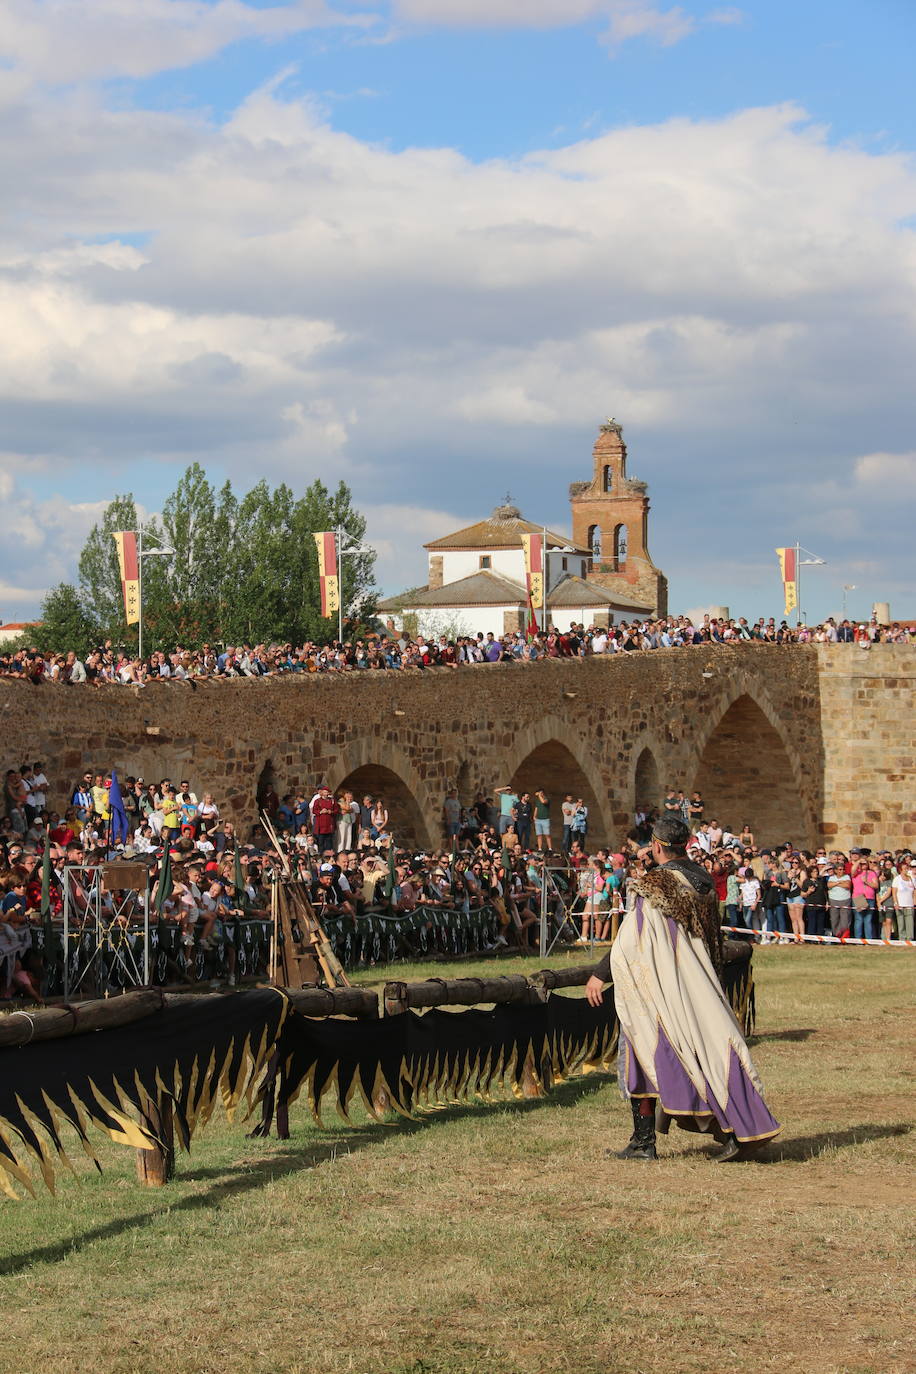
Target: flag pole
point(140, 589)
point(337, 548)
point(544, 580)
point(797, 585)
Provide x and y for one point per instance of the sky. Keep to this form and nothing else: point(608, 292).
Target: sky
point(428, 246)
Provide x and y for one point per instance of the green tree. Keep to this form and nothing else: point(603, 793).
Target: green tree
point(242, 570)
point(187, 590)
point(317, 510)
point(65, 623)
point(100, 574)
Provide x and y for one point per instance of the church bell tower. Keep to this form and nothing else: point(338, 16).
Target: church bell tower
point(610, 518)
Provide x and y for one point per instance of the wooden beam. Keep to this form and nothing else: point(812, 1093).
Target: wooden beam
point(462, 992)
point(53, 1023)
point(550, 978)
point(359, 1002)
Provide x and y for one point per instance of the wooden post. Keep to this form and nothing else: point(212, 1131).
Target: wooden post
point(395, 998)
point(527, 1079)
point(394, 1003)
point(155, 1167)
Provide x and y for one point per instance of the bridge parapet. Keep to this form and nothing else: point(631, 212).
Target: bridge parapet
point(804, 741)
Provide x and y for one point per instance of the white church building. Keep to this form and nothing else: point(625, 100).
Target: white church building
point(476, 582)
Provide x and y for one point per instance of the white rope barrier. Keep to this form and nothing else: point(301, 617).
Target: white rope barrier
point(784, 937)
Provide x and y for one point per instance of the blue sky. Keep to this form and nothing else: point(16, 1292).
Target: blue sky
point(429, 245)
point(505, 91)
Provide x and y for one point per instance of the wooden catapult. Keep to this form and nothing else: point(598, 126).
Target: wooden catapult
point(300, 947)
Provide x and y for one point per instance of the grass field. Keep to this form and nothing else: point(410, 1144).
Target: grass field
point(499, 1238)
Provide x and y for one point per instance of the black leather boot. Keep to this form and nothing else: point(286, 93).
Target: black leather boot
point(734, 1150)
point(641, 1144)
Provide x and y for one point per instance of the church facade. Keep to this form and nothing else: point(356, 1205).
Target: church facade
point(610, 518)
point(602, 574)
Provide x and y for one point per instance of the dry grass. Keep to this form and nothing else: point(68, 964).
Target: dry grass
point(499, 1238)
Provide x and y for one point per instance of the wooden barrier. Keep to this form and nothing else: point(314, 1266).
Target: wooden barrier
point(460, 992)
point(52, 1023)
point(471, 992)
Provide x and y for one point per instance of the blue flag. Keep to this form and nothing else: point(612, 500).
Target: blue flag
point(120, 826)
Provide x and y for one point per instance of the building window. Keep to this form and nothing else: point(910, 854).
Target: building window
point(584, 572)
point(620, 548)
point(485, 560)
point(594, 542)
point(607, 481)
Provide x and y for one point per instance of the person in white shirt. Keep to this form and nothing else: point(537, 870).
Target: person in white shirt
point(754, 914)
point(39, 797)
point(903, 889)
point(143, 839)
point(702, 838)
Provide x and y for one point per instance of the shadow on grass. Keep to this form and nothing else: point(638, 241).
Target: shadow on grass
point(804, 1033)
point(239, 1179)
point(807, 1147)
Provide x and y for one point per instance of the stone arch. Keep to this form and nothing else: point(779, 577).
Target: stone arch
point(647, 784)
point(621, 540)
point(746, 770)
point(594, 542)
point(382, 769)
point(607, 478)
point(266, 783)
point(550, 755)
point(464, 784)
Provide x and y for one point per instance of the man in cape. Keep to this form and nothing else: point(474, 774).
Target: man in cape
point(682, 1054)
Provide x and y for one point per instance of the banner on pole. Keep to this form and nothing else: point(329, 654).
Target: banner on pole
point(533, 544)
point(126, 543)
point(326, 544)
point(789, 577)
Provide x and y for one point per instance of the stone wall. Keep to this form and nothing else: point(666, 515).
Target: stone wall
point(870, 745)
point(799, 740)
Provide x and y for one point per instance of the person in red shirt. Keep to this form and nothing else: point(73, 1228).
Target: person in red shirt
point(61, 831)
point(324, 817)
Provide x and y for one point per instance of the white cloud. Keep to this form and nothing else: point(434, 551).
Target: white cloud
point(49, 535)
point(398, 533)
point(277, 298)
point(74, 40)
point(638, 20)
point(886, 476)
point(626, 19)
point(500, 13)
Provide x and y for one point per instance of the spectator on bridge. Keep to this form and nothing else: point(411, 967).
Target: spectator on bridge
point(904, 896)
point(839, 899)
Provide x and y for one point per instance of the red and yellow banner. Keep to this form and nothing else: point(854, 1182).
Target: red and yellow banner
point(533, 544)
point(126, 542)
point(789, 577)
point(326, 544)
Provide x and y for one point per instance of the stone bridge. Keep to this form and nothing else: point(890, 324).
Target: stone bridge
point(813, 743)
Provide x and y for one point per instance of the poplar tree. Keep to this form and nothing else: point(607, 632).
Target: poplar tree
point(243, 569)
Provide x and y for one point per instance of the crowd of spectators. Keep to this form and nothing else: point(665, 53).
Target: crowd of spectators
point(345, 849)
point(387, 651)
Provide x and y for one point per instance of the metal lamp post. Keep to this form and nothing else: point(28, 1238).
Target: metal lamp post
point(343, 553)
point(562, 548)
point(141, 554)
point(812, 561)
